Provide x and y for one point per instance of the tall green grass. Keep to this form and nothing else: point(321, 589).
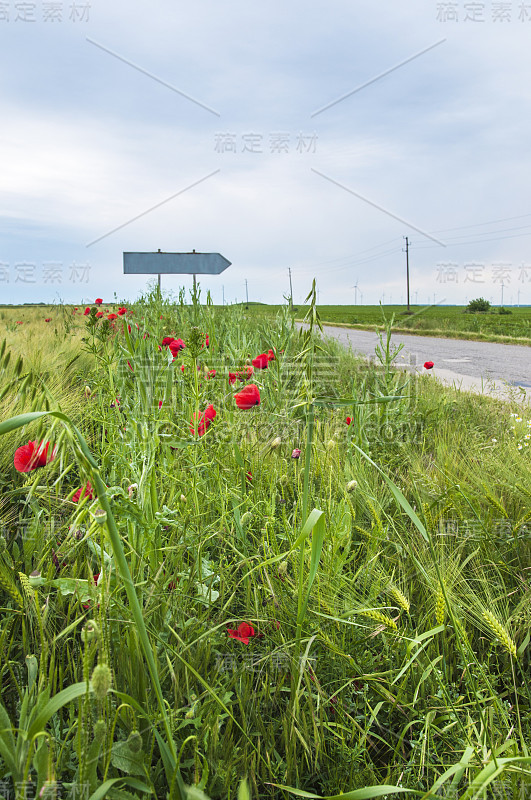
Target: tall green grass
point(385, 571)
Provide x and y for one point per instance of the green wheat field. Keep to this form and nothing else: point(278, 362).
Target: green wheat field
point(247, 564)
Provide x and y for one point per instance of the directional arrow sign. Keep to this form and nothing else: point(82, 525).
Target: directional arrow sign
point(174, 263)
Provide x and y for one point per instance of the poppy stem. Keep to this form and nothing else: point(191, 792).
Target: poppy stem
point(307, 459)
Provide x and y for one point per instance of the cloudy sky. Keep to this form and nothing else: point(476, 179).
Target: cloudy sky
point(311, 136)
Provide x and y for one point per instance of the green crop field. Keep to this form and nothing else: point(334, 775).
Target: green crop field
point(236, 562)
point(511, 325)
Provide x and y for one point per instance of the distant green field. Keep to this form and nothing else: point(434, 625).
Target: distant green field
point(450, 321)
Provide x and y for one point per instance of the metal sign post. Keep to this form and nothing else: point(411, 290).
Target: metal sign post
point(159, 263)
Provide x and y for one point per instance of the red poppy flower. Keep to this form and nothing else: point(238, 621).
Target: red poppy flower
point(211, 373)
point(428, 365)
point(249, 477)
point(232, 377)
point(112, 316)
point(99, 314)
point(204, 418)
point(129, 329)
point(32, 456)
point(207, 343)
point(182, 368)
point(243, 633)
point(167, 340)
point(122, 311)
point(348, 420)
point(86, 311)
point(98, 301)
point(296, 453)
point(49, 319)
point(83, 491)
point(249, 372)
point(176, 345)
point(20, 323)
point(270, 355)
point(248, 397)
point(261, 361)
point(210, 412)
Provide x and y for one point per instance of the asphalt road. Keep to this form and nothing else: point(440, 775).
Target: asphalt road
point(487, 367)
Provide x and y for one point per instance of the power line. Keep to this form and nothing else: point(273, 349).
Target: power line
point(354, 255)
point(478, 224)
point(478, 241)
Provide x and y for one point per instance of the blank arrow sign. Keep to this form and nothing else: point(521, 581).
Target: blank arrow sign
point(174, 263)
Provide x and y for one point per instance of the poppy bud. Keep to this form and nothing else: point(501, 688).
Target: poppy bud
point(134, 742)
point(100, 516)
point(100, 728)
point(275, 444)
point(88, 391)
point(296, 453)
point(284, 481)
point(182, 499)
point(282, 569)
point(248, 362)
point(101, 681)
point(351, 485)
point(246, 519)
point(331, 444)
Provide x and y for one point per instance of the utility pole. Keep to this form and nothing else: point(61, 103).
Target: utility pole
point(246, 294)
point(407, 270)
point(290, 290)
point(518, 298)
point(502, 293)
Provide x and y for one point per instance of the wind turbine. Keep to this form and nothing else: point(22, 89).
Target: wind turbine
point(355, 287)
